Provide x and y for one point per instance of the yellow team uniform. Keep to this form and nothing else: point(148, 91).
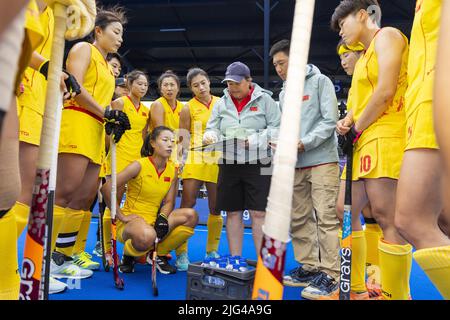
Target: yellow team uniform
point(9, 269)
point(379, 151)
point(129, 146)
point(32, 100)
point(34, 35)
point(421, 67)
point(172, 121)
point(200, 165)
point(146, 192)
point(171, 116)
point(420, 130)
point(82, 132)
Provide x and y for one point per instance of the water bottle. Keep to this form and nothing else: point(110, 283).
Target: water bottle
point(213, 262)
point(222, 264)
point(206, 262)
point(243, 266)
point(236, 267)
point(235, 259)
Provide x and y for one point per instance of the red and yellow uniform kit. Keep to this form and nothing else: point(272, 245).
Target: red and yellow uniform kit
point(200, 165)
point(379, 154)
point(127, 150)
point(9, 270)
point(172, 121)
point(379, 151)
point(421, 67)
point(171, 116)
point(420, 131)
point(82, 132)
point(129, 146)
point(31, 103)
point(145, 193)
point(32, 100)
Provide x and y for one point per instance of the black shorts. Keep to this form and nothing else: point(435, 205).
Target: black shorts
point(243, 187)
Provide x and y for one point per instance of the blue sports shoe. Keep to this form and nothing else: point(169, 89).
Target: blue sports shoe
point(182, 262)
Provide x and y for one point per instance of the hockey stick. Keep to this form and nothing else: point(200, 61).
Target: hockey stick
point(51, 202)
point(218, 146)
point(101, 209)
point(118, 282)
point(154, 285)
point(268, 283)
point(31, 270)
point(346, 248)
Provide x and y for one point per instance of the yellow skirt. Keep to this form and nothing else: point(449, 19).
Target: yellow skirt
point(420, 128)
point(82, 134)
point(30, 124)
point(201, 166)
point(378, 158)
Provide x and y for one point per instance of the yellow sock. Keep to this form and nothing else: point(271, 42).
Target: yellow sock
point(183, 248)
point(215, 224)
point(129, 250)
point(9, 268)
point(107, 229)
point(179, 235)
point(359, 249)
point(69, 231)
point(436, 264)
point(80, 243)
point(59, 214)
point(395, 266)
point(373, 235)
point(21, 212)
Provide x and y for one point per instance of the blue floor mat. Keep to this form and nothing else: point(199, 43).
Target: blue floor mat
point(138, 285)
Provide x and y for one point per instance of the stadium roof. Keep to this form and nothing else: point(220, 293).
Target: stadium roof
point(179, 34)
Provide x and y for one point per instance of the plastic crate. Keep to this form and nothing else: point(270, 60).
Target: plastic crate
point(208, 283)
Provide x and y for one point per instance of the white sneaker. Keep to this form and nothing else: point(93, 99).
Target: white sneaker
point(69, 270)
point(56, 286)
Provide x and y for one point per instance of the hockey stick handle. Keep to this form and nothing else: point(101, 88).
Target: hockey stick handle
point(278, 211)
point(53, 100)
point(113, 179)
point(348, 179)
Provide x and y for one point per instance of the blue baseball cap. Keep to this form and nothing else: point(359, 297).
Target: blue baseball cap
point(236, 72)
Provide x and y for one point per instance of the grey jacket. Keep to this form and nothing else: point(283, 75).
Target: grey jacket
point(257, 122)
point(318, 120)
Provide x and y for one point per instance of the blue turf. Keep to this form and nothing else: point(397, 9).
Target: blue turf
point(138, 285)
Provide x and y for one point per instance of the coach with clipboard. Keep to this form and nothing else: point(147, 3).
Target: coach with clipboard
point(242, 123)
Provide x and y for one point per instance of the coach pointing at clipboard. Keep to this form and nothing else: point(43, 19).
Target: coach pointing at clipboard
point(248, 116)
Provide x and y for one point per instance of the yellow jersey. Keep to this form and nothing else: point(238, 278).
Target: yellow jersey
point(34, 82)
point(171, 116)
point(99, 82)
point(148, 189)
point(129, 146)
point(422, 58)
point(365, 79)
point(34, 36)
point(200, 114)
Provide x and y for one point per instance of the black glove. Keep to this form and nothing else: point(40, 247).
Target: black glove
point(116, 123)
point(43, 69)
point(348, 141)
point(72, 83)
point(118, 132)
point(161, 226)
